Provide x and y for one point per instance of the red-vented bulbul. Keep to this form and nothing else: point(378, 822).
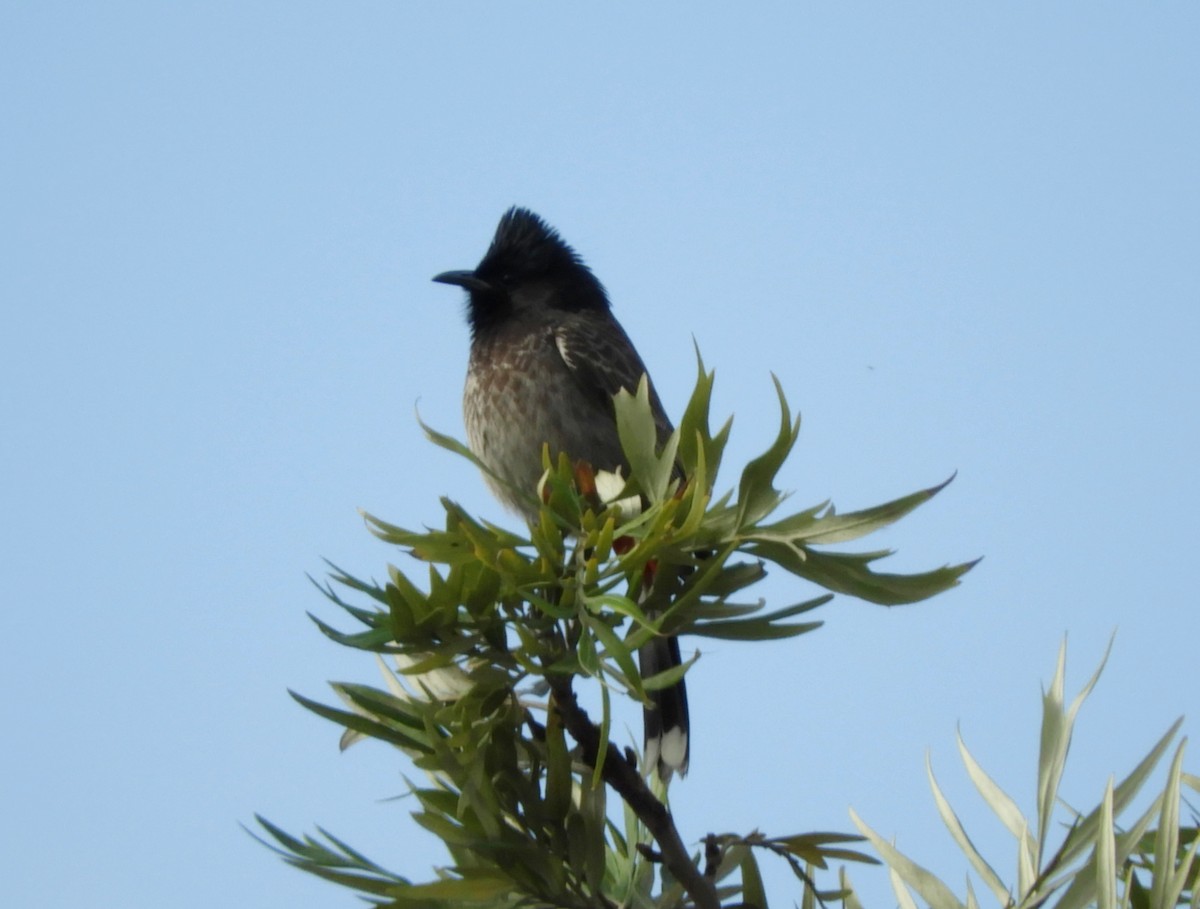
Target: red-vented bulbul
point(547, 356)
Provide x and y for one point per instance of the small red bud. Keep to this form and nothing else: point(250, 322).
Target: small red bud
point(649, 571)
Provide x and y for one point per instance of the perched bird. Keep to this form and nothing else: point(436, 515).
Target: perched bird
point(547, 357)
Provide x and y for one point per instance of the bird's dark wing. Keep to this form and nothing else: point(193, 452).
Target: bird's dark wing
point(602, 360)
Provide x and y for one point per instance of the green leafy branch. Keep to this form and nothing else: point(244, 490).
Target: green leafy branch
point(482, 653)
point(1096, 862)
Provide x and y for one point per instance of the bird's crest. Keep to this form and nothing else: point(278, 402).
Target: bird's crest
point(526, 248)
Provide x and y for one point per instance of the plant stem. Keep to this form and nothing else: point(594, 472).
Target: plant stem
point(624, 778)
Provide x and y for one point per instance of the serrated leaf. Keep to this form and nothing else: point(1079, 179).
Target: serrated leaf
point(797, 608)
point(842, 528)
point(734, 577)
point(757, 495)
point(638, 433)
point(697, 443)
point(849, 573)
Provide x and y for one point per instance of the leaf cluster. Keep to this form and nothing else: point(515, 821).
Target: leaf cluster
point(1149, 862)
point(481, 651)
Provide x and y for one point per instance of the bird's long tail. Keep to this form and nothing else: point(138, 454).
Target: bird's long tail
point(666, 720)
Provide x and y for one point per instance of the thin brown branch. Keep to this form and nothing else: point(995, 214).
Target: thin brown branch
point(622, 775)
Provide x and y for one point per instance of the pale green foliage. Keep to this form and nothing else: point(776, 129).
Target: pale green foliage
point(498, 617)
point(1096, 862)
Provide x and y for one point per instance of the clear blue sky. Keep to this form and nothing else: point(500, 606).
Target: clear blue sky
point(964, 239)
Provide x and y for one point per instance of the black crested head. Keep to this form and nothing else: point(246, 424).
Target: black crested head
point(528, 269)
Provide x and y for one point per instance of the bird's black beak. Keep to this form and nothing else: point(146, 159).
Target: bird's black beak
point(464, 279)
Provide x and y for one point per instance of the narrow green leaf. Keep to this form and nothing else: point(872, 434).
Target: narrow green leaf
point(366, 884)
point(1169, 881)
point(997, 799)
point(752, 630)
point(615, 648)
point(832, 853)
point(722, 610)
point(1084, 833)
point(849, 573)
point(1053, 745)
point(376, 640)
point(978, 862)
point(481, 887)
point(698, 492)
point(287, 841)
point(903, 896)
point(697, 444)
point(382, 705)
point(639, 441)
point(842, 528)
point(348, 580)
point(818, 838)
point(725, 620)
point(576, 832)
point(559, 781)
point(924, 882)
point(602, 751)
point(453, 445)
point(366, 726)
point(1057, 728)
point(1185, 878)
point(668, 677)
point(797, 608)
point(851, 901)
point(972, 901)
point(449, 443)
point(794, 527)
point(589, 660)
point(808, 899)
point(754, 895)
point(697, 585)
point(757, 495)
point(1027, 861)
point(621, 605)
point(694, 423)
point(360, 860)
point(734, 577)
point(1106, 860)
